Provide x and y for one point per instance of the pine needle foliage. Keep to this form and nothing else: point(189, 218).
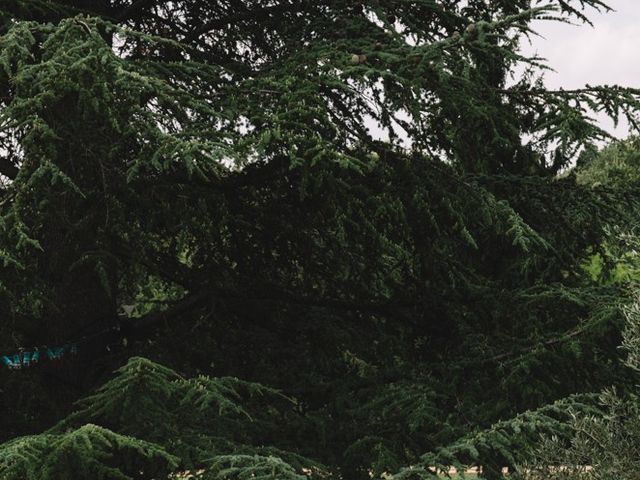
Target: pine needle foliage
point(354, 203)
point(87, 452)
point(246, 466)
point(165, 424)
point(507, 442)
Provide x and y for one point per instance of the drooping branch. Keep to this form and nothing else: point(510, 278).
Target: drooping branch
point(142, 327)
point(548, 343)
point(253, 14)
point(134, 10)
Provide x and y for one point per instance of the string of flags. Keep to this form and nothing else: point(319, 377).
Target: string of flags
point(27, 358)
point(112, 337)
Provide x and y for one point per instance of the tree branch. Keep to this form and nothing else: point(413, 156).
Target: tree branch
point(523, 351)
point(8, 169)
point(139, 328)
point(134, 9)
point(247, 15)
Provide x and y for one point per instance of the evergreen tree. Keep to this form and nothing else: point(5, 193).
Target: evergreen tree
point(198, 183)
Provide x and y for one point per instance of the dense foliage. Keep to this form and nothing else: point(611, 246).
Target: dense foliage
point(615, 165)
point(599, 446)
point(352, 206)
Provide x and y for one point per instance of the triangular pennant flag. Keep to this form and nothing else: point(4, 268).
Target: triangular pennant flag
point(8, 360)
point(55, 353)
point(26, 359)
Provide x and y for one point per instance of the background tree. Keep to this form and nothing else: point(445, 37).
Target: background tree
point(615, 165)
point(211, 165)
point(600, 446)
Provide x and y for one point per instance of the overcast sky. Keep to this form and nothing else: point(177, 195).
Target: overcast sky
point(607, 53)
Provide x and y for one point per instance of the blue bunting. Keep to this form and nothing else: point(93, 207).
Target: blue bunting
point(10, 361)
point(55, 353)
point(28, 358)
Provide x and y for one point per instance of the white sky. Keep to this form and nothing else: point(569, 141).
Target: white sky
point(607, 53)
